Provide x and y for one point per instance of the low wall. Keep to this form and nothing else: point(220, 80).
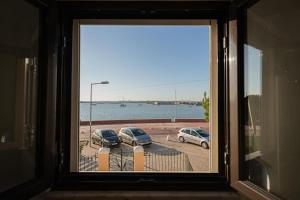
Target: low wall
point(190, 120)
point(136, 121)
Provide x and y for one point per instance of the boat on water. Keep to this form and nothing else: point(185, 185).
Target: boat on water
point(122, 104)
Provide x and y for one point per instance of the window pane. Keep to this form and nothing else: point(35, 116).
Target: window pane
point(19, 22)
point(131, 77)
point(272, 96)
point(194, 133)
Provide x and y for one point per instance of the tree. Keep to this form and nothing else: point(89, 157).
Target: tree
point(205, 105)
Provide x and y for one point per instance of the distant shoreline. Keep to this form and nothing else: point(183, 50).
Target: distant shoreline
point(105, 122)
point(146, 102)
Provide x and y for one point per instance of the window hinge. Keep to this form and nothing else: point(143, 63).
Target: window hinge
point(61, 162)
point(65, 42)
point(225, 46)
point(226, 156)
point(225, 42)
point(64, 45)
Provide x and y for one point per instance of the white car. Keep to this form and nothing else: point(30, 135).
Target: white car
point(194, 135)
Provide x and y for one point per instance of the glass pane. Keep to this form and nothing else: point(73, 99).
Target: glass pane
point(272, 96)
point(19, 22)
point(131, 76)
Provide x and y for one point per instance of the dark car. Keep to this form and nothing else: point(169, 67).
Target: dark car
point(106, 138)
point(134, 136)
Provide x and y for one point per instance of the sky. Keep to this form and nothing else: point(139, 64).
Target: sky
point(144, 62)
point(253, 70)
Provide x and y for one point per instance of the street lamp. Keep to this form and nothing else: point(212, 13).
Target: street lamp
point(91, 100)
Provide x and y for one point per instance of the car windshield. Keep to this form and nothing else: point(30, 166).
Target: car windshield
point(138, 132)
point(108, 133)
point(202, 133)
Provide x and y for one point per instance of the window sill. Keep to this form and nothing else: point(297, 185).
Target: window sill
point(138, 195)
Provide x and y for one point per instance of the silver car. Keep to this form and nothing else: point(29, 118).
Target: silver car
point(194, 135)
point(134, 136)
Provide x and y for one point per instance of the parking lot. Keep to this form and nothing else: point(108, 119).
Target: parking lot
point(164, 136)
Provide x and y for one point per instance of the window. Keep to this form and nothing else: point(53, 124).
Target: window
point(138, 132)
point(28, 100)
point(267, 123)
point(203, 134)
point(98, 132)
point(150, 102)
point(255, 98)
point(194, 133)
point(19, 75)
point(185, 131)
point(127, 132)
point(107, 134)
point(70, 76)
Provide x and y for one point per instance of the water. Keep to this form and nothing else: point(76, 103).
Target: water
point(113, 111)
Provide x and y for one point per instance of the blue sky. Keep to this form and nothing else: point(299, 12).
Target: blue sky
point(253, 70)
point(144, 62)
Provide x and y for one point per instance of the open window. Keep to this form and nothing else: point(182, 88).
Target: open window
point(149, 85)
point(26, 127)
point(264, 96)
point(87, 26)
point(252, 82)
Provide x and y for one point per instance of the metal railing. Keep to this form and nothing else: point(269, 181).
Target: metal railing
point(121, 160)
point(174, 161)
point(88, 163)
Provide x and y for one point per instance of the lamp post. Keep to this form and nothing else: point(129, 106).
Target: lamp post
point(91, 100)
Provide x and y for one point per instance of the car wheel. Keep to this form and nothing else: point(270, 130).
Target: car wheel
point(134, 143)
point(204, 145)
point(93, 141)
point(181, 139)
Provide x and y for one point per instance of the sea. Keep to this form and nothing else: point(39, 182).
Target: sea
point(114, 111)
